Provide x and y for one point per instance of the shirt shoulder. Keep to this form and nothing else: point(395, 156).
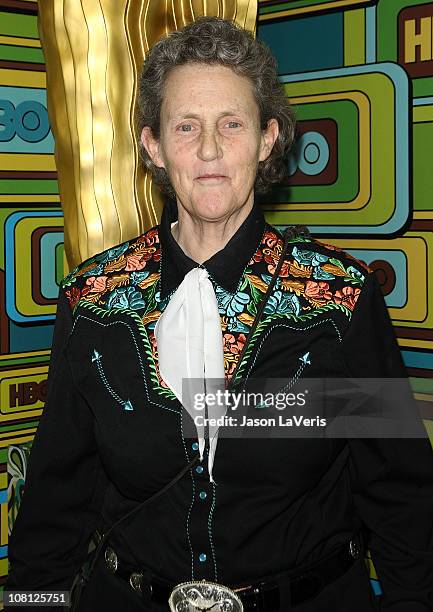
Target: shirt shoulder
point(334, 252)
point(320, 273)
point(114, 273)
point(309, 251)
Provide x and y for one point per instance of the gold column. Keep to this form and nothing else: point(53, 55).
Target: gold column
point(94, 50)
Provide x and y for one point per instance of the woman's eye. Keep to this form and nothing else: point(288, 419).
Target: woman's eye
point(185, 127)
point(233, 124)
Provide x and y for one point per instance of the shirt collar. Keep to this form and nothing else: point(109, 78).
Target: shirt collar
point(225, 267)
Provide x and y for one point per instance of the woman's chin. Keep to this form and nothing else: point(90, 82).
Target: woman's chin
point(212, 209)
point(213, 205)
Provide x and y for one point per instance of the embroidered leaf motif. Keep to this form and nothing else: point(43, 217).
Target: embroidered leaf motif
point(283, 303)
point(256, 295)
point(298, 269)
point(150, 298)
point(142, 249)
point(151, 316)
point(257, 282)
point(125, 297)
point(95, 270)
point(308, 257)
point(337, 263)
point(138, 277)
point(92, 297)
point(87, 268)
point(148, 281)
point(117, 281)
point(292, 285)
point(246, 318)
point(252, 308)
point(71, 277)
point(224, 322)
point(244, 283)
point(116, 265)
point(235, 325)
point(231, 304)
point(354, 276)
point(320, 274)
point(351, 274)
point(333, 269)
point(301, 239)
point(316, 301)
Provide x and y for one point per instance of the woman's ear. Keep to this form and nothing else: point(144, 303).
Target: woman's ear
point(152, 146)
point(269, 136)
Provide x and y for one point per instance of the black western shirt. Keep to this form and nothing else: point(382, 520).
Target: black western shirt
point(111, 433)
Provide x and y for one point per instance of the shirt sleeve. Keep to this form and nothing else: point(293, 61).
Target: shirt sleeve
point(64, 482)
point(391, 478)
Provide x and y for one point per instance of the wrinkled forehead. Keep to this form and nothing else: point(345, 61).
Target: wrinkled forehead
point(207, 90)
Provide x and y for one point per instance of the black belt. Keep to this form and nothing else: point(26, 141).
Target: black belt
point(263, 595)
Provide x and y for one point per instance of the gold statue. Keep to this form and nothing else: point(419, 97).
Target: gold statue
point(94, 50)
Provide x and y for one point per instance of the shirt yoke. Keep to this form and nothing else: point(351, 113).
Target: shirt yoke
point(114, 267)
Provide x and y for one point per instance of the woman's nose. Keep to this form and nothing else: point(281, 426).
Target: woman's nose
point(209, 147)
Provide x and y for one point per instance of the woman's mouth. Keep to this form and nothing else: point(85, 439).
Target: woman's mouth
point(211, 178)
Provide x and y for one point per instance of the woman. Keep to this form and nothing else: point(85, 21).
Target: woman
point(212, 292)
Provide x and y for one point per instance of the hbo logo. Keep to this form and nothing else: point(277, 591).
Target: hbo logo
point(28, 120)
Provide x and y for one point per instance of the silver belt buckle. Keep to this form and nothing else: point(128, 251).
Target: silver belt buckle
point(202, 595)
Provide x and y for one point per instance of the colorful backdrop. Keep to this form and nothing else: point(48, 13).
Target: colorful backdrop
point(360, 76)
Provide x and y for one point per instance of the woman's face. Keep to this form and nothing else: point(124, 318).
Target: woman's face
point(210, 139)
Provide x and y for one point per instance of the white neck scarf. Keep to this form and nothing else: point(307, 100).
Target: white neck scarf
point(189, 340)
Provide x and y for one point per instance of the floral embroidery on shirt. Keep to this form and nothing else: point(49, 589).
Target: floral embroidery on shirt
point(310, 282)
point(347, 296)
point(345, 254)
point(154, 348)
point(232, 348)
point(113, 278)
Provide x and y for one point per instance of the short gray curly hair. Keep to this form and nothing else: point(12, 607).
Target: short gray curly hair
point(211, 40)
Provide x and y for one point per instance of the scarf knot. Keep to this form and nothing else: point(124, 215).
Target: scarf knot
point(190, 352)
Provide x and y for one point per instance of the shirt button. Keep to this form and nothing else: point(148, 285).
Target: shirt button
point(203, 494)
point(202, 557)
point(199, 469)
point(195, 446)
